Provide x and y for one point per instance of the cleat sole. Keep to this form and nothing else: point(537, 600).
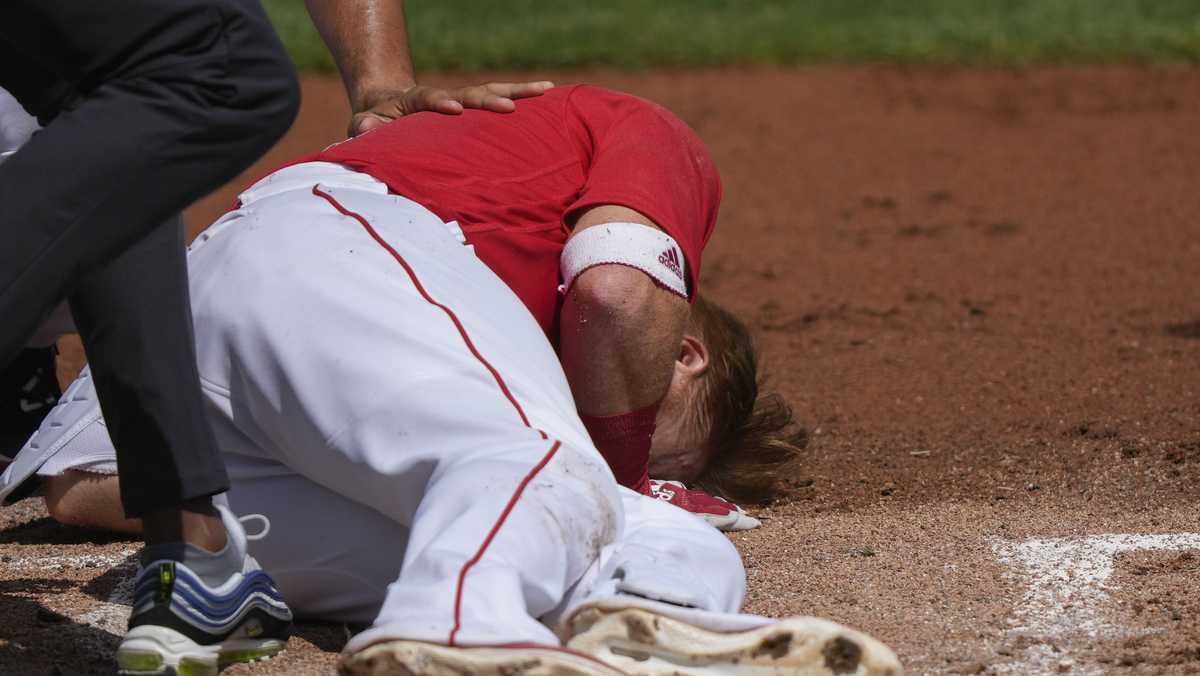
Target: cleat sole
point(150, 650)
point(645, 643)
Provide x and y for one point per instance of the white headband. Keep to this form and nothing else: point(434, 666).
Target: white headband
point(648, 249)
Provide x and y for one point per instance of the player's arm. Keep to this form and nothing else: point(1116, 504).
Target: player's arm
point(630, 271)
point(369, 43)
point(619, 337)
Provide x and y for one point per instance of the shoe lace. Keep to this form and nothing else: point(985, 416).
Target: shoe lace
point(266, 525)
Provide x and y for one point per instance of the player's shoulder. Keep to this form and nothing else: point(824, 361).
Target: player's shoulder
point(599, 106)
point(586, 96)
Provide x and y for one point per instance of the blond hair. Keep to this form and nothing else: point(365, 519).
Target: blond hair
point(752, 436)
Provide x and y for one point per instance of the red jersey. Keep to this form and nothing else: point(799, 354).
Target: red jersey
point(515, 182)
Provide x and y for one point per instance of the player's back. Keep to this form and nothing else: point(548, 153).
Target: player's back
point(514, 181)
point(480, 168)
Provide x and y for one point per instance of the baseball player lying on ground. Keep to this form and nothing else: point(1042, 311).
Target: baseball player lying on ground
point(521, 186)
point(399, 417)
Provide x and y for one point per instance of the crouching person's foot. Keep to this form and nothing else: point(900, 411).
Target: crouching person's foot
point(643, 641)
point(195, 612)
point(418, 658)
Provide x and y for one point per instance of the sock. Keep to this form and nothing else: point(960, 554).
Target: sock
point(214, 568)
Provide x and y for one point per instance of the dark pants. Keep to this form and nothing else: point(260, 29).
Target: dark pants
point(148, 105)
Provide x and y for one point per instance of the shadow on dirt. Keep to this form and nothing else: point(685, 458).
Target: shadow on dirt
point(35, 639)
point(114, 585)
point(327, 636)
point(1184, 330)
point(47, 531)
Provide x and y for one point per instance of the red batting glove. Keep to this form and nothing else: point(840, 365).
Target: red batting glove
point(721, 513)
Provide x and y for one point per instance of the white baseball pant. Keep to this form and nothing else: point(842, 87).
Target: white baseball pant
point(399, 417)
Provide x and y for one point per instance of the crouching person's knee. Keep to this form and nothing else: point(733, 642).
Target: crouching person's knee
point(87, 500)
point(266, 92)
point(229, 85)
point(272, 95)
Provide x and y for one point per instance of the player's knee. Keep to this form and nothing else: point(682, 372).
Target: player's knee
point(77, 498)
point(61, 499)
point(590, 483)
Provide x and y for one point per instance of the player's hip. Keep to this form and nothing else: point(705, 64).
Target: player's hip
point(319, 239)
point(343, 285)
point(306, 214)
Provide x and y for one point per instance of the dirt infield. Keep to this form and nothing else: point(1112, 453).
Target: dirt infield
point(980, 291)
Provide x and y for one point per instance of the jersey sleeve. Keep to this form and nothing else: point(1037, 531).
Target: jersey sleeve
point(640, 156)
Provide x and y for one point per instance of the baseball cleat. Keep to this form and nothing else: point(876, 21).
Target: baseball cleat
point(417, 658)
point(182, 626)
point(645, 643)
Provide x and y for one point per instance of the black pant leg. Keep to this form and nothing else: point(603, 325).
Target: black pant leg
point(180, 103)
point(136, 321)
point(167, 101)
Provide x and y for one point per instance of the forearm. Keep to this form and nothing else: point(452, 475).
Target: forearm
point(619, 336)
point(369, 43)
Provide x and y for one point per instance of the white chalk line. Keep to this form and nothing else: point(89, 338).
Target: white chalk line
point(111, 614)
point(1067, 595)
point(66, 561)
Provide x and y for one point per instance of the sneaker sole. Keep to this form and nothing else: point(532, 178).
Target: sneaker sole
point(415, 658)
point(644, 643)
point(158, 651)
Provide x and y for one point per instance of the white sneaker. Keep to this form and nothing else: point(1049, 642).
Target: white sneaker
point(184, 626)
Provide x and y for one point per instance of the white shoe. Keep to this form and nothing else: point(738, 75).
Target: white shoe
point(418, 658)
point(183, 626)
point(646, 643)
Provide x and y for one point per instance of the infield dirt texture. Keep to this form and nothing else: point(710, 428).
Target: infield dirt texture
point(981, 291)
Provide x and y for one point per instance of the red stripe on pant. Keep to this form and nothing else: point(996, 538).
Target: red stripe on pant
point(462, 331)
point(512, 502)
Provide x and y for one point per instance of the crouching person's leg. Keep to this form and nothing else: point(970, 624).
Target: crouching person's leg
point(330, 556)
point(73, 452)
point(665, 600)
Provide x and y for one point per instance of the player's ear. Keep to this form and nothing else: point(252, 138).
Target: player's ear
point(693, 356)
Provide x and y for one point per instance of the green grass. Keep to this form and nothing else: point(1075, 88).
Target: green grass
point(474, 34)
